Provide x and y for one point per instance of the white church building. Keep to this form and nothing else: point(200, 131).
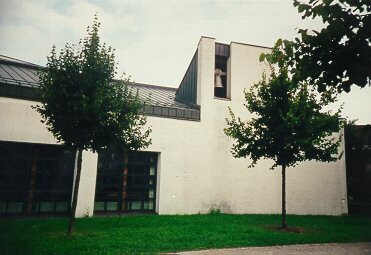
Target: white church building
point(187, 169)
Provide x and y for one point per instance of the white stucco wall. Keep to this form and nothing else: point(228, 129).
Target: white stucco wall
point(20, 123)
point(196, 171)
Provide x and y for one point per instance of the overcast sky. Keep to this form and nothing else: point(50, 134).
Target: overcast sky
point(156, 39)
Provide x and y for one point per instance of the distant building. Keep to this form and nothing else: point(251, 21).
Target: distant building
point(188, 168)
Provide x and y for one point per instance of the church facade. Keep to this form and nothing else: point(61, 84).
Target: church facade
point(187, 169)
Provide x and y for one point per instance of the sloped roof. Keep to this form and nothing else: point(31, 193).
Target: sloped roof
point(17, 72)
point(159, 95)
point(19, 78)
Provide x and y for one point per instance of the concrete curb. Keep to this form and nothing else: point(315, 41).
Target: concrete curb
point(318, 249)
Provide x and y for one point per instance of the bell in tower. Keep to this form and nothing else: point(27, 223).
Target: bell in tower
point(218, 78)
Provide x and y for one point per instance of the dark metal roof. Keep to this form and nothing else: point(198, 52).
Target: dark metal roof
point(19, 78)
point(164, 96)
point(18, 75)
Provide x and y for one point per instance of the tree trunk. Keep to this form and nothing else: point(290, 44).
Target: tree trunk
point(75, 193)
point(283, 196)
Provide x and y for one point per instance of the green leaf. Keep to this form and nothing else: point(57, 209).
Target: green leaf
point(269, 57)
point(262, 57)
point(301, 8)
point(288, 44)
point(279, 42)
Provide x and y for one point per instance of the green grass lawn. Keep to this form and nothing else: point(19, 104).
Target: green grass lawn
point(149, 234)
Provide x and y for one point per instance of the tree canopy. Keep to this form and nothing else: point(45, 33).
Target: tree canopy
point(339, 55)
point(82, 106)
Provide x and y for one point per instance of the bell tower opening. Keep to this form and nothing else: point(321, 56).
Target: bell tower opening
point(220, 77)
point(221, 72)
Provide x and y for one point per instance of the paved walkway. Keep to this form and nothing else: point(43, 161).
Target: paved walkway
point(317, 249)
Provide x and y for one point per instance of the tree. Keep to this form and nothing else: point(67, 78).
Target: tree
point(83, 108)
point(340, 54)
point(288, 125)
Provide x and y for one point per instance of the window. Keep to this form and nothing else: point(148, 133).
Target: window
point(35, 178)
point(125, 182)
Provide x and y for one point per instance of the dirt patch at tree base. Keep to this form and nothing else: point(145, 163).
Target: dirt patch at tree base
point(288, 229)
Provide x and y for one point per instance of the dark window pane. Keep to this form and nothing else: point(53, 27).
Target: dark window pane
point(125, 179)
point(35, 176)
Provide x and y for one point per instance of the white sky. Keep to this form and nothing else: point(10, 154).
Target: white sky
point(156, 39)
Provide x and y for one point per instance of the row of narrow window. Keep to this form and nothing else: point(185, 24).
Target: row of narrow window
point(36, 178)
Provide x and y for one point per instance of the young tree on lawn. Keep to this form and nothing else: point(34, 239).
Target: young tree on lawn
point(288, 125)
point(84, 108)
point(339, 55)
